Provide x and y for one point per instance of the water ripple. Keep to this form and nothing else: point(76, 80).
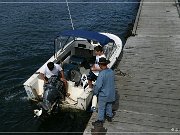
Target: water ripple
point(26, 42)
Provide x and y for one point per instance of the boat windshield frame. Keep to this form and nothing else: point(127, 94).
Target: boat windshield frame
point(61, 41)
point(88, 35)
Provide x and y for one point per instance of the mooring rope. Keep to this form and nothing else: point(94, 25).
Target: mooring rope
point(70, 15)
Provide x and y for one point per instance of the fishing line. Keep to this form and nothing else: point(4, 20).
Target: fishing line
point(70, 15)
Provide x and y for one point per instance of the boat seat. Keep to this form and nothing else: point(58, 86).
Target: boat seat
point(67, 67)
point(72, 73)
point(79, 60)
point(75, 76)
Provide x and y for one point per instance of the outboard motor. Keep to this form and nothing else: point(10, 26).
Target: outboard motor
point(54, 93)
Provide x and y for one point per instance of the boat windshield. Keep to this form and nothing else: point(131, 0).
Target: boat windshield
point(109, 49)
point(61, 42)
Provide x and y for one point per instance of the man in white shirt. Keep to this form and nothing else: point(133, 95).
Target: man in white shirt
point(53, 69)
point(95, 68)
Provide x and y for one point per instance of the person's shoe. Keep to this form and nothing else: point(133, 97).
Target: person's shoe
point(109, 119)
point(93, 109)
point(98, 123)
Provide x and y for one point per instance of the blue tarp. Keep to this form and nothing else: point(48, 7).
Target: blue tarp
point(95, 36)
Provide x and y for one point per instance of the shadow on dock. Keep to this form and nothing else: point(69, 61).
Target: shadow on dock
point(99, 130)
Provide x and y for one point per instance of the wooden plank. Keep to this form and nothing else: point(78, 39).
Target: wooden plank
point(147, 99)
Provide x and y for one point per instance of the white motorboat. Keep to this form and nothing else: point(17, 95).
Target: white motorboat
point(74, 51)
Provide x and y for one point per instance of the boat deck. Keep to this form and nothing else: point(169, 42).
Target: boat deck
point(148, 96)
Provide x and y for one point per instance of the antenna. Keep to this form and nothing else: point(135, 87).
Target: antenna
point(70, 15)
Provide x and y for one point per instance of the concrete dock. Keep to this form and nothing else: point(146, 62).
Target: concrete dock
point(148, 75)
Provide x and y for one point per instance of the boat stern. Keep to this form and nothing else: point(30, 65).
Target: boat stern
point(34, 87)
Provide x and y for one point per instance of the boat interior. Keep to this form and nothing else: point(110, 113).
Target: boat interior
point(76, 57)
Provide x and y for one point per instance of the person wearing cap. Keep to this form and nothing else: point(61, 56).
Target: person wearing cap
point(105, 90)
point(52, 69)
point(94, 70)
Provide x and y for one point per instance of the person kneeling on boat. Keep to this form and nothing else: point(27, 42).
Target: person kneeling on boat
point(52, 69)
point(93, 74)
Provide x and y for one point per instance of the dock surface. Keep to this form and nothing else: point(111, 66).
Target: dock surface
point(148, 95)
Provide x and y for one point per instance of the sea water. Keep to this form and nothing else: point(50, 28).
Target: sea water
point(27, 32)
